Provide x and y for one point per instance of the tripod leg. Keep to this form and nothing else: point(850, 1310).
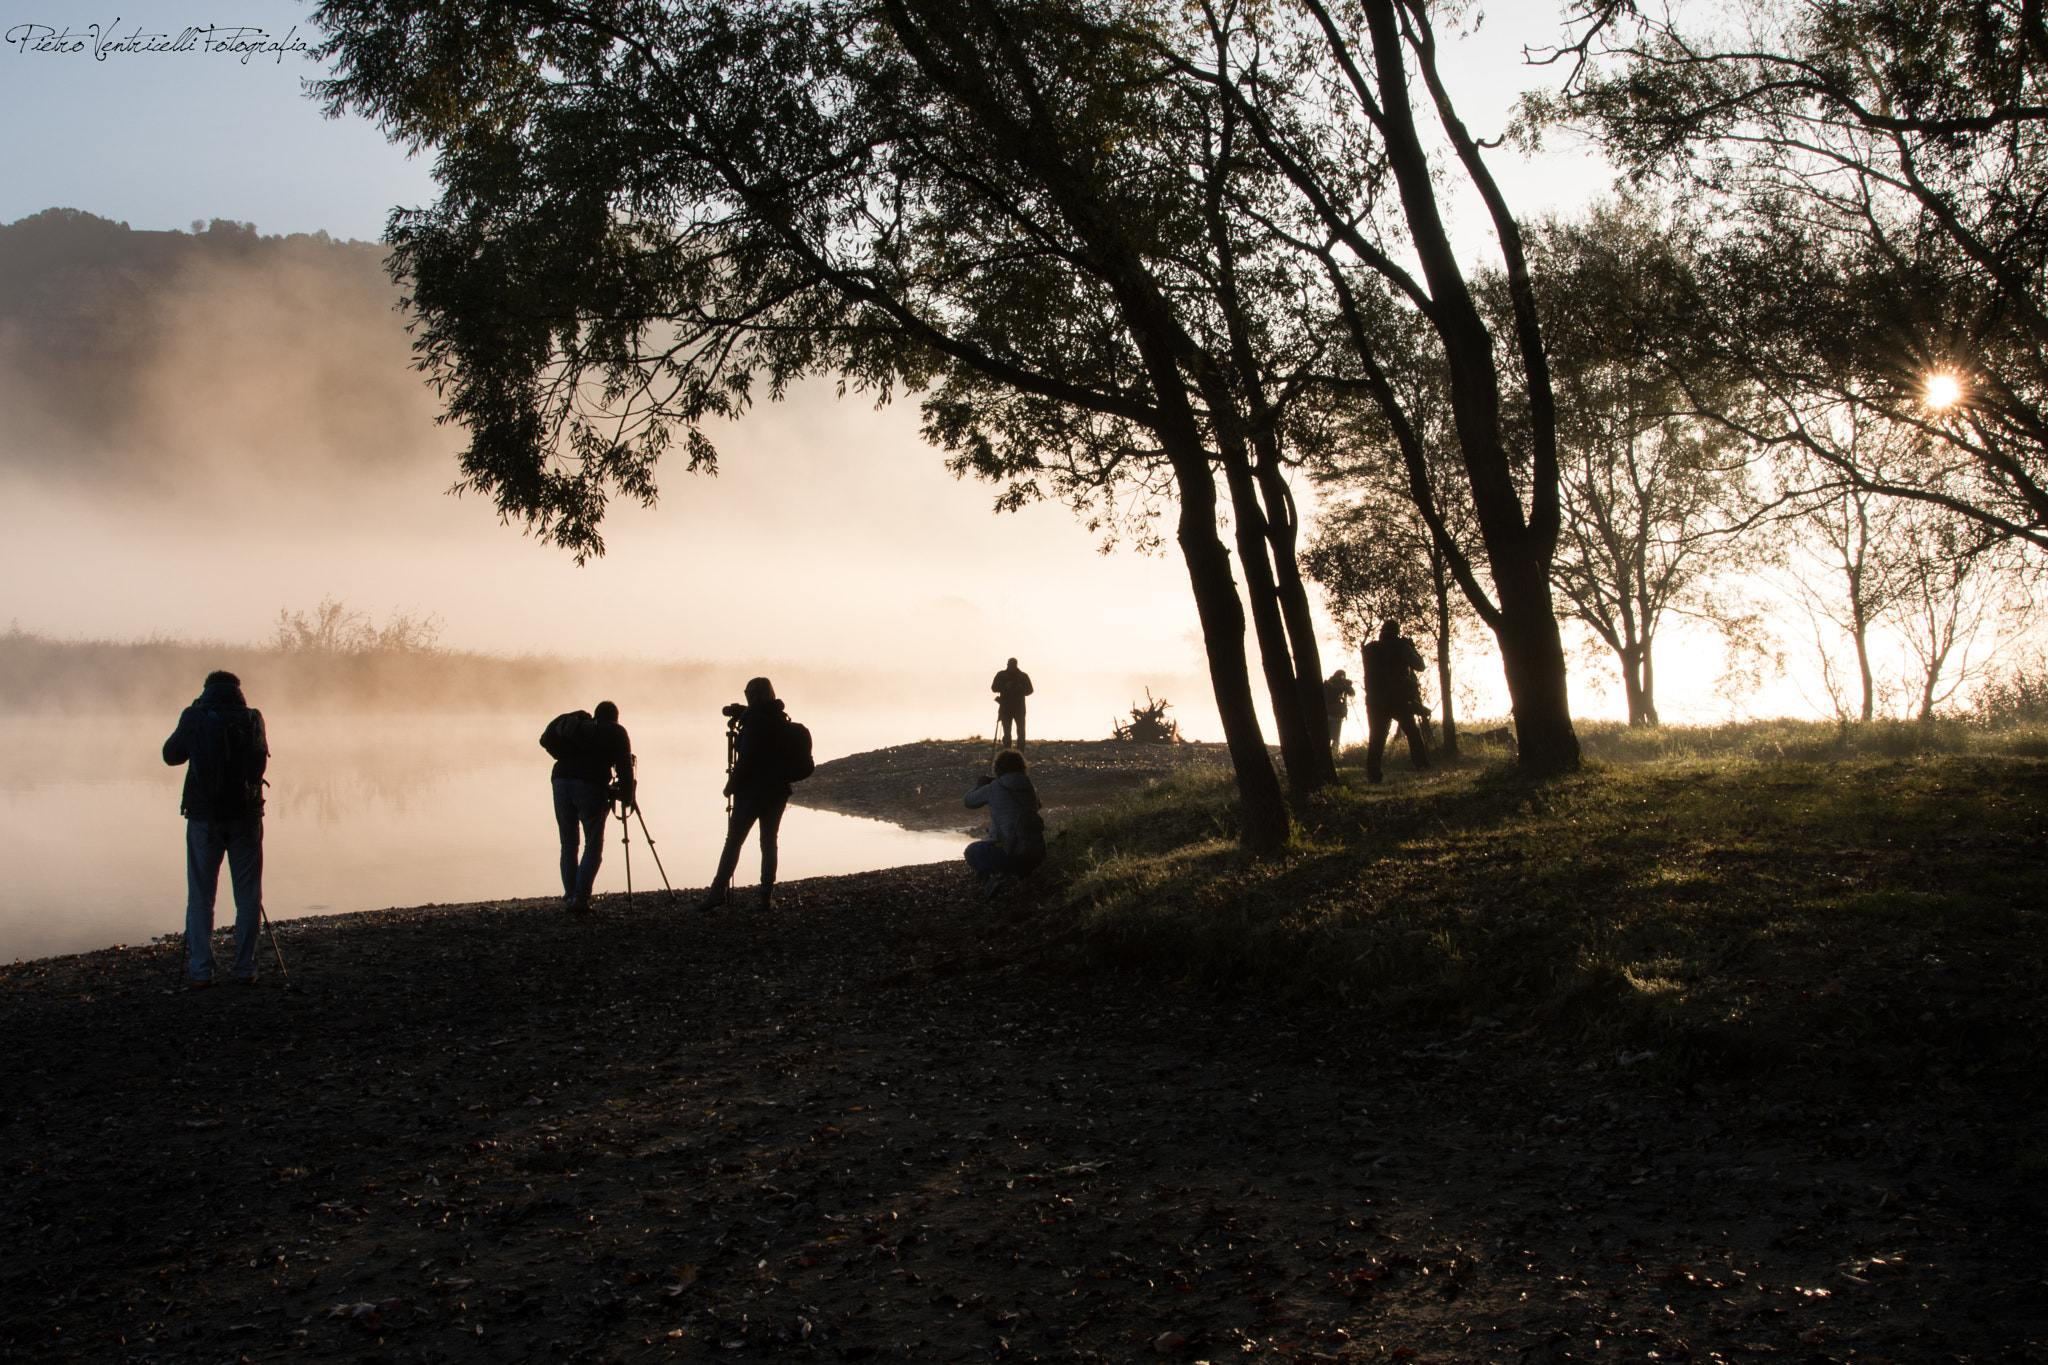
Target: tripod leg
point(655, 851)
point(626, 842)
point(268, 928)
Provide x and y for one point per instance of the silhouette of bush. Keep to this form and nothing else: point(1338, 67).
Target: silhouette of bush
point(1148, 723)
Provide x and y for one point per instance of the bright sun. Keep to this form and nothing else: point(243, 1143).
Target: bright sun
point(1943, 391)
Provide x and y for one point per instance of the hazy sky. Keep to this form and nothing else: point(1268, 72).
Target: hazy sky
point(833, 531)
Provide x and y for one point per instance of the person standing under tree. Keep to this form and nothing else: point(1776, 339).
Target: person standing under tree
point(759, 787)
point(220, 736)
point(1011, 687)
point(1392, 696)
point(1337, 695)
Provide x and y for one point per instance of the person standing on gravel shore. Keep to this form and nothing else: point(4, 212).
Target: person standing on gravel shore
point(1011, 687)
point(759, 787)
point(588, 749)
point(220, 738)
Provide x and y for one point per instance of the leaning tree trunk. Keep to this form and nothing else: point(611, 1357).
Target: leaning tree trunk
point(1283, 526)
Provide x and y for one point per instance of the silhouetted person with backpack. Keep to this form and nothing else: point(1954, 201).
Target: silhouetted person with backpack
point(764, 760)
point(1337, 695)
point(1392, 696)
point(589, 747)
point(220, 738)
point(1011, 687)
point(1016, 831)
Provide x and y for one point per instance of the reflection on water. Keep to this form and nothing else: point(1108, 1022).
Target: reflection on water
point(365, 812)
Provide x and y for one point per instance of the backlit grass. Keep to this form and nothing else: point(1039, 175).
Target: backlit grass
point(1717, 910)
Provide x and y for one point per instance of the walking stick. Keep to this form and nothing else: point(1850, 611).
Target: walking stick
point(656, 852)
point(273, 945)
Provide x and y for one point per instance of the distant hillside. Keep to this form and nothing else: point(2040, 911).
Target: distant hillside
point(162, 354)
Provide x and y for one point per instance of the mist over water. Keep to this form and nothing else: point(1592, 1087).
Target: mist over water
point(366, 812)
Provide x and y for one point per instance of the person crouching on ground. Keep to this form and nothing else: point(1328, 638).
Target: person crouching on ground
point(759, 788)
point(1016, 832)
point(582, 777)
point(221, 736)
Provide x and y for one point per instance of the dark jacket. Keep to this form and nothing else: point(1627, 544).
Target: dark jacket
point(1391, 687)
point(605, 749)
point(759, 770)
point(220, 727)
point(1011, 687)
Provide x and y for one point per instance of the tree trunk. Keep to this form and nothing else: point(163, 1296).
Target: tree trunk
point(1440, 572)
point(1518, 549)
point(1635, 683)
point(1304, 750)
point(1222, 618)
point(1532, 657)
point(1649, 686)
point(1283, 526)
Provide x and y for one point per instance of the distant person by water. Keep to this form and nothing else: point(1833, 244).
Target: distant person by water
point(1011, 687)
point(1016, 831)
point(768, 752)
point(1393, 696)
point(220, 739)
point(589, 747)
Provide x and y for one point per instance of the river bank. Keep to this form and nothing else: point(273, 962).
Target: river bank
point(892, 1119)
point(920, 786)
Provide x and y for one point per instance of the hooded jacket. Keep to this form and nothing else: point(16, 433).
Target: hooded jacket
point(1008, 797)
point(211, 795)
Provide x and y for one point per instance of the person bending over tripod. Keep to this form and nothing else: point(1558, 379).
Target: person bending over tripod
point(588, 749)
point(757, 782)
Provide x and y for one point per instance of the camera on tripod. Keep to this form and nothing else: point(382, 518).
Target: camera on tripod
point(733, 710)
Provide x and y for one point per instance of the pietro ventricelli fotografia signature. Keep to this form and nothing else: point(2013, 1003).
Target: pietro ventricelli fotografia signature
point(242, 43)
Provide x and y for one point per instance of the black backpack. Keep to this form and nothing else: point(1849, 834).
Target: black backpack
point(567, 734)
point(1027, 845)
point(796, 752)
point(227, 761)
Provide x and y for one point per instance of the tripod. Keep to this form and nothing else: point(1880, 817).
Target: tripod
point(632, 809)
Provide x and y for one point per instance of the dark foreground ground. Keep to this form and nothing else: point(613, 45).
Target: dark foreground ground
point(888, 1122)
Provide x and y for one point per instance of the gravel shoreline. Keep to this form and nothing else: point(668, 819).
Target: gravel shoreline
point(892, 1119)
point(920, 786)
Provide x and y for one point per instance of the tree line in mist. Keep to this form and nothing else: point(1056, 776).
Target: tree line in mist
point(330, 659)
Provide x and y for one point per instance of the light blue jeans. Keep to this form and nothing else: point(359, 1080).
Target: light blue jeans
point(206, 843)
point(581, 807)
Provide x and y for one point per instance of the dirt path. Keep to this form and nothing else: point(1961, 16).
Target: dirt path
point(887, 1121)
point(920, 786)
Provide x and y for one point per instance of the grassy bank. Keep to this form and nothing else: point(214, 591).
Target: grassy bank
point(1863, 917)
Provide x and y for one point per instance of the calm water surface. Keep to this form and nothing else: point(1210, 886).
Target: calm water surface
point(372, 811)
